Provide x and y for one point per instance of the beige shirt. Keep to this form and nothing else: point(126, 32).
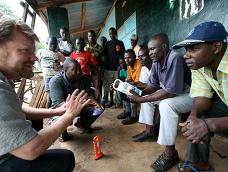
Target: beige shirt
point(136, 50)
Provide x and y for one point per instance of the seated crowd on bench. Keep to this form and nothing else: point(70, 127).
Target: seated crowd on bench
point(78, 80)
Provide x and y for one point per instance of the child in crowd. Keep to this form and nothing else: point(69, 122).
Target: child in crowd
point(122, 70)
point(122, 75)
point(84, 58)
point(50, 61)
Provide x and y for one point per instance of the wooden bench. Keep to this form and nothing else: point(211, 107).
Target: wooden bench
point(38, 100)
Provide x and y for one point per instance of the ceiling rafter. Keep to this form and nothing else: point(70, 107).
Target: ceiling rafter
point(76, 31)
point(55, 3)
point(83, 16)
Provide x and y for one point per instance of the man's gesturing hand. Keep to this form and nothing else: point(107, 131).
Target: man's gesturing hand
point(76, 102)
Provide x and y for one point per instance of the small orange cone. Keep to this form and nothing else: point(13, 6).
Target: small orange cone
point(97, 147)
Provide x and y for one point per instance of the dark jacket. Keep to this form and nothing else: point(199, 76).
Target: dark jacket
point(112, 56)
point(60, 87)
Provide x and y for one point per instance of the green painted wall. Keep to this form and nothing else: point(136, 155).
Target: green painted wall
point(57, 18)
point(110, 22)
point(155, 16)
point(122, 13)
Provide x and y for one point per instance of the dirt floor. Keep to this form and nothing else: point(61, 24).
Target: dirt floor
point(123, 155)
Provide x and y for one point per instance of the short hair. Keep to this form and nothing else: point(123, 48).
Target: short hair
point(131, 52)
point(92, 32)
point(64, 28)
point(144, 48)
point(113, 30)
point(134, 37)
point(103, 37)
point(53, 39)
point(8, 25)
point(81, 40)
point(68, 62)
point(162, 37)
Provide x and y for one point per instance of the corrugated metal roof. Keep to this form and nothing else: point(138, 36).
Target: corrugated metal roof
point(95, 12)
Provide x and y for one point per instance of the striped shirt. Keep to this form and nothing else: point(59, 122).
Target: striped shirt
point(204, 85)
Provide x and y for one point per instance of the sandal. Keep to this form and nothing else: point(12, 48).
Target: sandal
point(187, 165)
point(164, 162)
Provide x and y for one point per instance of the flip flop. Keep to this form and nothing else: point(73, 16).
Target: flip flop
point(186, 164)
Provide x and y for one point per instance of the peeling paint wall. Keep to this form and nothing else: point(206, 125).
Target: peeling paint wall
point(57, 18)
point(155, 16)
point(111, 22)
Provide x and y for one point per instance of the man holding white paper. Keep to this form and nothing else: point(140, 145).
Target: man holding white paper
point(166, 87)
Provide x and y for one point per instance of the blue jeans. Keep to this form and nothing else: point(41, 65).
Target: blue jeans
point(50, 161)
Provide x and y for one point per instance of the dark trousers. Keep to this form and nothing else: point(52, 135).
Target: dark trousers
point(86, 117)
point(85, 120)
point(53, 160)
point(199, 153)
point(130, 107)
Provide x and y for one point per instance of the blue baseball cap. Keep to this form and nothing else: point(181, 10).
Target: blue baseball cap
point(204, 32)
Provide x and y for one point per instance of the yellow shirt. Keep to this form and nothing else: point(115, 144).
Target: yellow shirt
point(133, 73)
point(204, 85)
point(136, 50)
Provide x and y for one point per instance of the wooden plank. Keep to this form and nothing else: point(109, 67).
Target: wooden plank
point(76, 31)
point(83, 17)
point(33, 20)
point(33, 99)
point(25, 12)
point(40, 95)
point(20, 91)
point(51, 4)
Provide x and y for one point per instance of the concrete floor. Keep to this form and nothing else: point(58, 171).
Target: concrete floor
point(123, 155)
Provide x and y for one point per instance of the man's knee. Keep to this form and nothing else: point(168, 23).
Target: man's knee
point(164, 104)
point(53, 159)
point(69, 160)
point(167, 107)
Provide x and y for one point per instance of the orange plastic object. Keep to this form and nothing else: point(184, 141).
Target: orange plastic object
point(97, 147)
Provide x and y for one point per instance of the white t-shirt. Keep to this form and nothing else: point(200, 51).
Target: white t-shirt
point(64, 45)
point(50, 62)
point(144, 75)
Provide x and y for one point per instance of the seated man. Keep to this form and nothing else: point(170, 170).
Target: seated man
point(144, 118)
point(133, 72)
point(166, 87)
point(63, 84)
point(23, 149)
point(207, 56)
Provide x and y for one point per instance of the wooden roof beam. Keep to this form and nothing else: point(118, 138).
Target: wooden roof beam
point(56, 3)
point(83, 17)
point(76, 31)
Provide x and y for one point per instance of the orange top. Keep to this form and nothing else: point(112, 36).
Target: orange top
point(133, 73)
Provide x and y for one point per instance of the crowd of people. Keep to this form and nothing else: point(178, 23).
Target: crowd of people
point(78, 79)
